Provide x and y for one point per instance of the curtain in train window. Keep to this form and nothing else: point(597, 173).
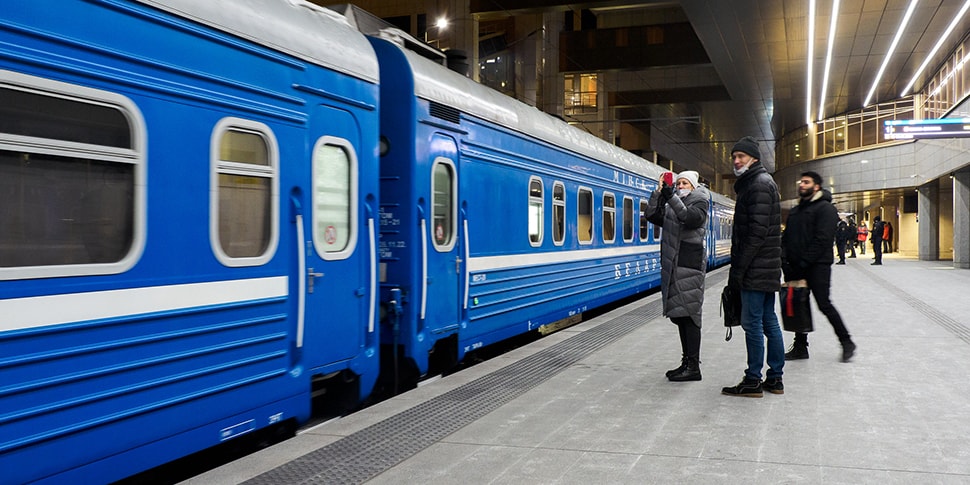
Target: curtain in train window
point(64, 205)
point(535, 211)
point(644, 225)
point(245, 188)
point(443, 203)
point(584, 215)
point(558, 213)
point(627, 219)
point(609, 218)
point(332, 190)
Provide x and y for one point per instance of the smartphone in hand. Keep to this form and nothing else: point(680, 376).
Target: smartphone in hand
point(667, 178)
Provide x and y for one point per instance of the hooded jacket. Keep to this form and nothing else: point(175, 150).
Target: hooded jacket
point(683, 260)
point(756, 238)
point(809, 235)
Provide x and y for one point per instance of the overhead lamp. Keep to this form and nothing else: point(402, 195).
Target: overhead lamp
point(892, 48)
point(939, 43)
point(828, 57)
point(811, 58)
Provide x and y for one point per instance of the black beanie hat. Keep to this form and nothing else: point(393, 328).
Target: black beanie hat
point(747, 145)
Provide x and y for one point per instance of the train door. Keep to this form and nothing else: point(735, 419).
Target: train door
point(337, 245)
point(442, 245)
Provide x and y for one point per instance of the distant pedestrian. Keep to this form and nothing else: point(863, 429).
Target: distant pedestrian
point(887, 237)
point(862, 235)
point(853, 236)
point(875, 236)
point(682, 213)
point(807, 255)
point(841, 238)
point(756, 269)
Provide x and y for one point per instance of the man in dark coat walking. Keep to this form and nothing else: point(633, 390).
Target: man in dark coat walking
point(875, 235)
point(807, 255)
point(841, 238)
point(756, 269)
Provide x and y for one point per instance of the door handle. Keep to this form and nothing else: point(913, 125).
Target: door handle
point(310, 276)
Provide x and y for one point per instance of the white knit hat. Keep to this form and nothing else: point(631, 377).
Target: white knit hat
point(691, 177)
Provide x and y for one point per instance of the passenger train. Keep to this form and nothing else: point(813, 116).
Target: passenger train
point(208, 208)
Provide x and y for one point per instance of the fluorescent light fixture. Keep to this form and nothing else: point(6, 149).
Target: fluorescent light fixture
point(828, 58)
point(939, 44)
point(892, 49)
point(811, 59)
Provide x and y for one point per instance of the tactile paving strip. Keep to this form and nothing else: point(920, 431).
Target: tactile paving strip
point(361, 456)
point(941, 319)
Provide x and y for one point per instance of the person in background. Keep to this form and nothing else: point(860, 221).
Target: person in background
point(875, 235)
point(841, 238)
point(756, 270)
point(807, 255)
point(862, 237)
point(853, 235)
point(887, 237)
point(682, 212)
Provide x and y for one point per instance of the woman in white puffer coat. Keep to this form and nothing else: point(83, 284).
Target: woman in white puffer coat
point(682, 212)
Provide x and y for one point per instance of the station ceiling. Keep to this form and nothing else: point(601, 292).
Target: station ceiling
point(759, 52)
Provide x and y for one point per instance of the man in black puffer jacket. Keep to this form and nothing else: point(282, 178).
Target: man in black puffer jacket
point(756, 269)
point(807, 255)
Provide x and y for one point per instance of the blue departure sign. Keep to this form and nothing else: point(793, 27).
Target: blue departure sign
point(939, 128)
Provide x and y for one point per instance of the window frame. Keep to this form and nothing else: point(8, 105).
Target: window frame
point(644, 229)
point(611, 211)
point(454, 205)
point(541, 216)
point(272, 172)
point(559, 204)
point(627, 219)
point(135, 155)
point(353, 193)
point(592, 223)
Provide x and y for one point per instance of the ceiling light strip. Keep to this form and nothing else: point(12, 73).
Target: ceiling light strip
point(939, 44)
point(828, 58)
point(811, 59)
point(892, 49)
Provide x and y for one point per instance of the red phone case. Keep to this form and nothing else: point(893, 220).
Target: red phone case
point(668, 178)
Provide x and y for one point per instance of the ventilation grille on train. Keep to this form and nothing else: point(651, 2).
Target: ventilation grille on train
point(446, 113)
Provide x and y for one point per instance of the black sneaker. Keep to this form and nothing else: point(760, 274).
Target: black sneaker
point(773, 385)
point(747, 388)
point(796, 352)
point(848, 350)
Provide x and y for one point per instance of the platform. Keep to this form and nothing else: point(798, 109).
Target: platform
point(590, 404)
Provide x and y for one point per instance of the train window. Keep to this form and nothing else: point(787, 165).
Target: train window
point(245, 185)
point(443, 202)
point(628, 219)
point(535, 211)
point(71, 179)
point(609, 217)
point(334, 198)
point(558, 213)
point(644, 225)
point(584, 215)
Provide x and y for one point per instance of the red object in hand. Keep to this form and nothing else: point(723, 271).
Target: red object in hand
point(668, 178)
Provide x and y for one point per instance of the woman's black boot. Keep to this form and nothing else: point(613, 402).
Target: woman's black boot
point(691, 372)
point(683, 365)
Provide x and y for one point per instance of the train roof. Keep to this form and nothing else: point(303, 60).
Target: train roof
point(437, 83)
point(295, 27)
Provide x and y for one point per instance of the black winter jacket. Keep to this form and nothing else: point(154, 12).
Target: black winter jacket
point(756, 238)
point(809, 235)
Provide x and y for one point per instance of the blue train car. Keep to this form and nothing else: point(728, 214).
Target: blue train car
point(497, 219)
point(188, 195)
point(720, 224)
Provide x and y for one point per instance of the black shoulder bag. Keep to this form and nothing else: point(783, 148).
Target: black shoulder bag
point(731, 310)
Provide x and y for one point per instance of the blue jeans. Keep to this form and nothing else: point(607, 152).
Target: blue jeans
point(759, 320)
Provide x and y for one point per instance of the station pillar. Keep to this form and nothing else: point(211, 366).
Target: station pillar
point(929, 222)
point(961, 219)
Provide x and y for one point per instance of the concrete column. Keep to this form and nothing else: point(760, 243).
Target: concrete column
point(550, 98)
point(961, 219)
point(929, 222)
